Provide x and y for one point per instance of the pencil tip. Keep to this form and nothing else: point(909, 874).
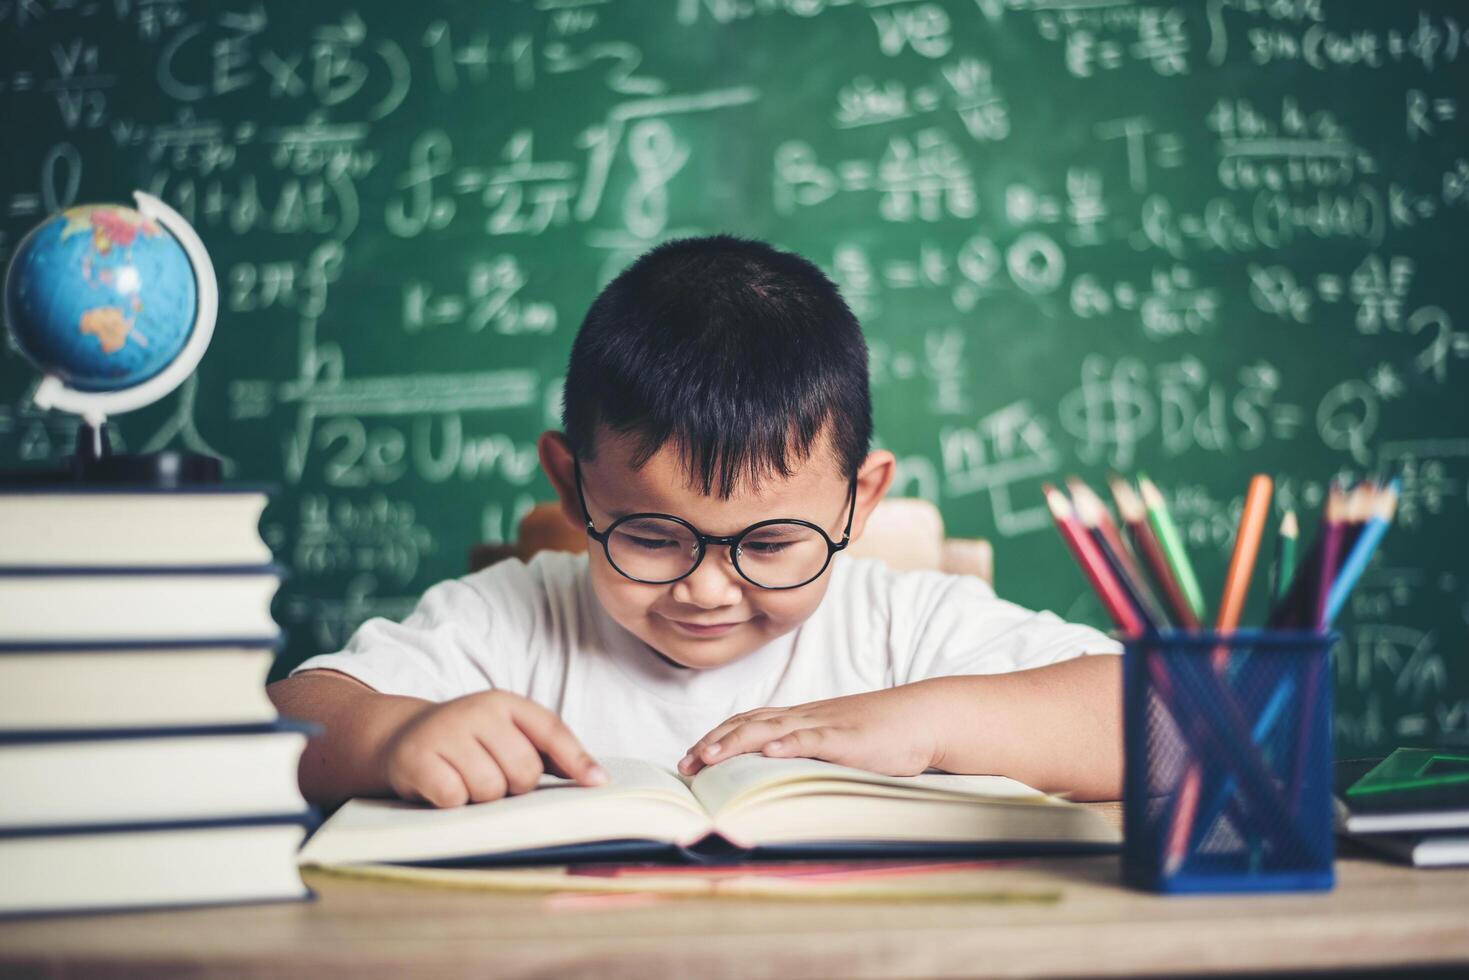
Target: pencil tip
point(1289, 526)
point(1387, 503)
point(1128, 503)
point(1085, 497)
point(1088, 507)
point(1057, 502)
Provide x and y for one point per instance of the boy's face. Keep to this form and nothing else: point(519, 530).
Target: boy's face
point(713, 616)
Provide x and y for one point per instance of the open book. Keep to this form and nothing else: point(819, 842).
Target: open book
point(745, 806)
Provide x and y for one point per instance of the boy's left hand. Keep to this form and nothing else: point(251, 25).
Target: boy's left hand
point(890, 731)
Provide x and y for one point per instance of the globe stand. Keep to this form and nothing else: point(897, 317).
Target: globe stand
point(94, 462)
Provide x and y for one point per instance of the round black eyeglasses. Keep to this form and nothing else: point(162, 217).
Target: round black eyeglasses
point(658, 549)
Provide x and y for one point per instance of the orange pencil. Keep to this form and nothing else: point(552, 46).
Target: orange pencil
point(1246, 548)
point(1231, 603)
point(1093, 565)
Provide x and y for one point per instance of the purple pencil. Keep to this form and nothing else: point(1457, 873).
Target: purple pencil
point(1331, 535)
point(1325, 573)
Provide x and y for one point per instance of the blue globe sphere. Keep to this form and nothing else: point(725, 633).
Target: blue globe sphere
point(100, 296)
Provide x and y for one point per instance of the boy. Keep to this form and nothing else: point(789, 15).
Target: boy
point(717, 419)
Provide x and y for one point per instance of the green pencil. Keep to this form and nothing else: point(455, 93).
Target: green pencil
point(1285, 556)
point(1172, 543)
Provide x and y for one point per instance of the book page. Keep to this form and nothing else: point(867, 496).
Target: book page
point(747, 778)
point(642, 801)
point(630, 777)
point(760, 801)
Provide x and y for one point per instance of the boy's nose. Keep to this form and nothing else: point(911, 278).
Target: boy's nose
point(713, 584)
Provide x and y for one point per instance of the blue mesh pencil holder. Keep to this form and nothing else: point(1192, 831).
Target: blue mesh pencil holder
point(1228, 762)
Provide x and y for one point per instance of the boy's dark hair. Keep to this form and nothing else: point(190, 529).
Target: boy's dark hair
point(738, 352)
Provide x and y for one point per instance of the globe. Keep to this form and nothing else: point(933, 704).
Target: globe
point(101, 297)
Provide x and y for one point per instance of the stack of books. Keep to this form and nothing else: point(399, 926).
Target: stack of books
point(141, 763)
point(1413, 805)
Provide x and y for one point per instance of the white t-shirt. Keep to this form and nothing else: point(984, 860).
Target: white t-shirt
point(538, 630)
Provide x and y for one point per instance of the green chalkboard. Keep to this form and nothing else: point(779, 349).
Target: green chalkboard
point(1201, 239)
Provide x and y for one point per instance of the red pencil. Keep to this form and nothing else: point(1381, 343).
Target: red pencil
point(1097, 519)
point(1186, 805)
point(1135, 516)
point(1093, 565)
point(1086, 501)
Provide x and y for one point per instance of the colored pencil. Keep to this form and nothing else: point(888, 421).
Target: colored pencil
point(1093, 565)
point(1385, 506)
point(1135, 516)
point(1185, 806)
point(1087, 502)
point(1322, 577)
point(1331, 536)
point(1172, 544)
point(1242, 560)
point(1231, 602)
point(1285, 557)
point(1093, 516)
point(1295, 610)
point(1264, 725)
point(1185, 810)
point(1199, 689)
point(1359, 509)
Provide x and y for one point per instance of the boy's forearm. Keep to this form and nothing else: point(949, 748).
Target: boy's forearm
point(345, 760)
point(1057, 728)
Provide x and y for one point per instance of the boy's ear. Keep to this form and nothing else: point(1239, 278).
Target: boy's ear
point(559, 465)
point(873, 480)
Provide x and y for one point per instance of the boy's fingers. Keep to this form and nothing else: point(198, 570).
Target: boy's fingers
point(436, 783)
point(809, 743)
point(552, 738)
point(477, 768)
point(748, 737)
point(518, 761)
point(695, 754)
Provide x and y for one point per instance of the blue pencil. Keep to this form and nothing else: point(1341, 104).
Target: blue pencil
point(1264, 724)
point(1367, 541)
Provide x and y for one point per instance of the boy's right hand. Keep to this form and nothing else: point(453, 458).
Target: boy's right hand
point(480, 747)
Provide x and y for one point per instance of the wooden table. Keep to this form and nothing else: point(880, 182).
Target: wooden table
point(1379, 915)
